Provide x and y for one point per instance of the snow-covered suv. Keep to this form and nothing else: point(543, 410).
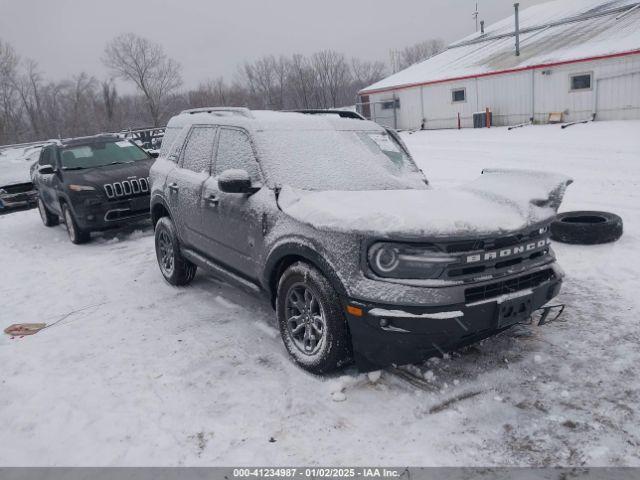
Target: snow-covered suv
point(332, 220)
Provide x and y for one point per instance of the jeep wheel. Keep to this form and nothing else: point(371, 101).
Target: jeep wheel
point(76, 234)
point(176, 269)
point(312, 325)
point(48, 219)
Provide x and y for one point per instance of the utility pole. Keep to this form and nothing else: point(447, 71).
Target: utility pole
point(475, 16)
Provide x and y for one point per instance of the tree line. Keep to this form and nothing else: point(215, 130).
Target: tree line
point(34, 108)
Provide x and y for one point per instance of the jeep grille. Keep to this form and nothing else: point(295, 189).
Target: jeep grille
point(127, 188)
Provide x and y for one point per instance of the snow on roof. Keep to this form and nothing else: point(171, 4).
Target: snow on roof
point(554, 32)
point(273, 120)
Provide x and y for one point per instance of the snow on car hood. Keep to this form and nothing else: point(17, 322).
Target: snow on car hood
point(14, 170)
point(498, 201)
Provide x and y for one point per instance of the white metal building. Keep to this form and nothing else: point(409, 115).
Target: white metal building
point(576, 58)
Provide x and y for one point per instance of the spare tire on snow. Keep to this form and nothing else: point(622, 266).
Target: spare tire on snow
point(586, 228)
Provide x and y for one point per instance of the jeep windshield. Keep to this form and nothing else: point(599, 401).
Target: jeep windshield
point(100, 154)
point(337, 160)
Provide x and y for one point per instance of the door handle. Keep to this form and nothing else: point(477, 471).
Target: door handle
point(173, 187)
point(213, 200)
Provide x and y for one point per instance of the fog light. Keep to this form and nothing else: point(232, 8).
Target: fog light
point(384, 322)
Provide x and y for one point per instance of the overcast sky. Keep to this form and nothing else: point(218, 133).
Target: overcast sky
point(210, 38)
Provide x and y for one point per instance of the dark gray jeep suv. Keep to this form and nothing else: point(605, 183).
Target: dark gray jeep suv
point(92, 184)
point(331, 219)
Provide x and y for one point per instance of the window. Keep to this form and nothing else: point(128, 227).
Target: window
point(459, 95)
point(173, 148)
point(235, 152)
point(391, 104)
point(47, 156)
point(170, 135)
point(198, 150)
point(581, 82)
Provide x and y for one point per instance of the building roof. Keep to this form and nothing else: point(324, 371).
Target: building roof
point(558, 32)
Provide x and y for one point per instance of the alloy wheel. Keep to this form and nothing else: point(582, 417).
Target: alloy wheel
point(306, 323)
point(165, 253)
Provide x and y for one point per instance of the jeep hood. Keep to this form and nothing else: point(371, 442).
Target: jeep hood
point(109, 173)
point(499, 201)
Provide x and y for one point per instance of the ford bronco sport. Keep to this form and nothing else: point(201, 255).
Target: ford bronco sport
point(92, 183)
point(331, 219)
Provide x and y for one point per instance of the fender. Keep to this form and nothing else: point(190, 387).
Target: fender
point(158, 199)
point(293, 248)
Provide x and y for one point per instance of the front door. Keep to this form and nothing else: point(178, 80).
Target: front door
point(232, 222)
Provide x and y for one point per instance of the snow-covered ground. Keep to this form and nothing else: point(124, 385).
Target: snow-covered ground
point(146, 374)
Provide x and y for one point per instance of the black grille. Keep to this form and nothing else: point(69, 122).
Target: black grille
point(127, 188)
point(19, 188)
point(492, 290)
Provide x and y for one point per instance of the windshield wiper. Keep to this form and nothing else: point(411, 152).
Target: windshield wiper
point(117, 163)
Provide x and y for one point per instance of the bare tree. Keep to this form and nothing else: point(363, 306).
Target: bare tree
point(80, 97)
point(109, 101)
point(302, 81)
point(366, 73)
point(419, 52)
point(144, 63)
point(333, 74)
point(10, 113)
point(29, 87)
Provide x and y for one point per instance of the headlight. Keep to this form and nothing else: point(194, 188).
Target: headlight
point(408, 261)
point(81, 188)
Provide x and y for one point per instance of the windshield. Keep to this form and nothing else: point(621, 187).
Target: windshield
point(101, 154)
point(337, 160)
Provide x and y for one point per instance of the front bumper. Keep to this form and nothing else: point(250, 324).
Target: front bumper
point(18, 200)
point(398, 335)
point(110, 214)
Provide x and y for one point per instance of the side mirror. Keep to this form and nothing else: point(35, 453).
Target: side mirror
point(235, 181)
point(153, 153)
point(46, 170)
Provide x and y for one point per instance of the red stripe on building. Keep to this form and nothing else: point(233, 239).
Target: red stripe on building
point(499, 72)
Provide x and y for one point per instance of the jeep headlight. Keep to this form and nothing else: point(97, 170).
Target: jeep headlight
point(408, 261)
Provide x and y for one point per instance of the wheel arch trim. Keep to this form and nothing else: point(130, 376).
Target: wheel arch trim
point(288, 253)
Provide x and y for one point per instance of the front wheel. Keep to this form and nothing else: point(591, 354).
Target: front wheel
point(176, 269)
point(48, 219)
point(312, 325)
point(76, 234)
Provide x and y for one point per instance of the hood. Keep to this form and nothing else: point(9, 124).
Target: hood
point(109, 173)
point(499, 201)
point(14, 171)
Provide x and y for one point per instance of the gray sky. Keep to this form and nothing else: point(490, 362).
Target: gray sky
point(211, 37)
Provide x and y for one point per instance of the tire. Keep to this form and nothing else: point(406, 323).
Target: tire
point(175, 269)
point(586, 227)
point(48, 218)
point(318, 315)
point(76, 234)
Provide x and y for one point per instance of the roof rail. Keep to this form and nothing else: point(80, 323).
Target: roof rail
point(334, 111)
point(241, 111)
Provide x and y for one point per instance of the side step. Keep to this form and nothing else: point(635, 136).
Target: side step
point(220, 272)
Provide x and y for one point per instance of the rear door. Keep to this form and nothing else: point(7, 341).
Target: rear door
point(185, 182)
point(232, 222)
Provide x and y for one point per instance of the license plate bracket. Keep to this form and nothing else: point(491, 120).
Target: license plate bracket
point(514, 311)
